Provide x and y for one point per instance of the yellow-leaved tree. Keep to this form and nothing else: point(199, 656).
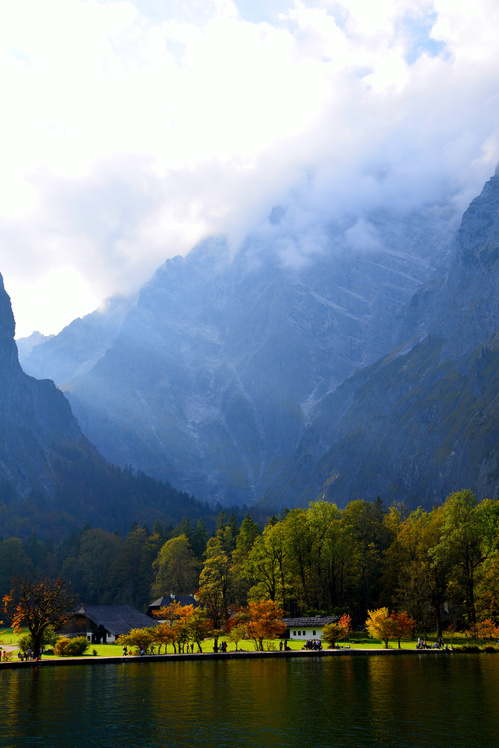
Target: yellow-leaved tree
point(380, 625)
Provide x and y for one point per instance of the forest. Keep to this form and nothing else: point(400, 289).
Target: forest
point(439, 566)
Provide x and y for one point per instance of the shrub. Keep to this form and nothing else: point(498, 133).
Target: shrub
point(74, 647)
point(60, 646)
point(25, 640)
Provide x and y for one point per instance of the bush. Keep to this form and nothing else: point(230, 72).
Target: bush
point(470, 648)
point(25, 640)
point(60, 646)
point(74, 647)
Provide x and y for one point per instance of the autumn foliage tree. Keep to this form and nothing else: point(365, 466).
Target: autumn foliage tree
point(483, 631)
point(403, 625)
point(39, 602)
point(164, 633)
point(333, 632)
point(383, 625)
point(137, 638)
point(264, 622)
point(181, 624)
point(379, 625)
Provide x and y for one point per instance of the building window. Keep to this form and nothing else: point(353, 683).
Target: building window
point(313, 633)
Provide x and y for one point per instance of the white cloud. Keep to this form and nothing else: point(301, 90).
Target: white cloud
point(131, 130)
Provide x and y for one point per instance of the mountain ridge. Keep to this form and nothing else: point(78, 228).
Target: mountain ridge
point(213, 374)
point(424, 420)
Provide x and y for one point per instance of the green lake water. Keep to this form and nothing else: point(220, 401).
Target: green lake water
point(442, 700)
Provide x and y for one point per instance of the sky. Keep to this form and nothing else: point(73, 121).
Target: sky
point(132, 130)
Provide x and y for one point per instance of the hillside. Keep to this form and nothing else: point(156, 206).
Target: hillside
point(424, 420)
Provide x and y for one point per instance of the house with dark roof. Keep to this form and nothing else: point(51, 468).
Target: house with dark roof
point(165, 600)
point(102, 624)
point(307, 628)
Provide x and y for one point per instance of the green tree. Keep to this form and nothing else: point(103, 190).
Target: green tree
point(176, 568)
point(332, 633)
point(419, 580)
point(468, 538)
point(215, 586)
point(267, 567)
point(25, 641)
point(242, 579)
point(371, 537)
point(98, 549)
point(13, 562)
point(129, 578)
point(199, 540)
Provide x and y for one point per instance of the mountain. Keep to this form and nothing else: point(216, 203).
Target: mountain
point(424, 420)
point(212, 377)
point(77, 347)
point(38, 427)
point(26, 345)
point(51, 477)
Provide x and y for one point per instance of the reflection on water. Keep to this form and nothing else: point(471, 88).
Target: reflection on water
point(443, 700)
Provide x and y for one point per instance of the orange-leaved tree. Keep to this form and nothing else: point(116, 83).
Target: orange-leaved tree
point(264, 622)
point(403, 625)
point(346, 622)
point(483, 631)
point(177, 624)
point(165, 633)
point(37, 602)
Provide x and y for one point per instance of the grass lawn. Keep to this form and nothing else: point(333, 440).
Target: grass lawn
point(7, 636)
point(357, 641)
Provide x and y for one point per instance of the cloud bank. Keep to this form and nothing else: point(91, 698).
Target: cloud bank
point(131, 130)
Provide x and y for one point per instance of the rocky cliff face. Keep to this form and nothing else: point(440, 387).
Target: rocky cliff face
point(424, 420)
point(51, 478)
point(213, 376)
point(38, 427)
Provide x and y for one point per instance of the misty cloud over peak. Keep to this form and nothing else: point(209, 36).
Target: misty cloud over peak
point(132, 130)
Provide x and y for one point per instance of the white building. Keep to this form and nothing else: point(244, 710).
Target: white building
point(307, 628)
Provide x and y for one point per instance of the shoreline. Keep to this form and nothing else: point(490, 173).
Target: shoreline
point(98, 660)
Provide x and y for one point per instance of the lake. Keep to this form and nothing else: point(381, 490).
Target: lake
point(407, 700)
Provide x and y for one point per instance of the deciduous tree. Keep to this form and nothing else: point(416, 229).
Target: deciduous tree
point(379, 625)
point(37, 603)
point(176, 568)
point(264, 622)
point(137, 638)
point(403, 625)
point(333, 632)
